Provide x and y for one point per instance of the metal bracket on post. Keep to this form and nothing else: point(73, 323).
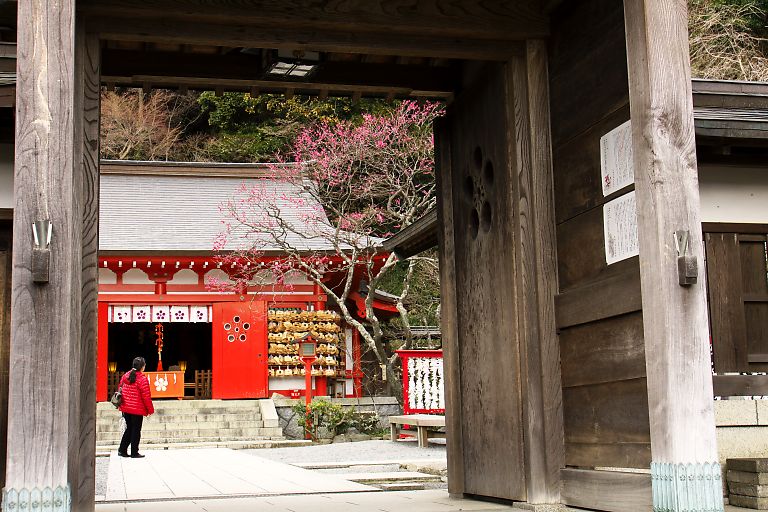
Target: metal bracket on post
point(686, 487)
point(687, 264)
point(41, 252)
point(46, 499)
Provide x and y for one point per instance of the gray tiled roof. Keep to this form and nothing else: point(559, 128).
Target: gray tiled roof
point(155, 213)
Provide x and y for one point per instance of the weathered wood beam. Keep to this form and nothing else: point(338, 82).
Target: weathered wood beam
point(86, 164)
point(267, 86)
point(45, 317)
point(675, 323)
point(50, 430)
point(449, 317)
point(740, 385)
point(537, 274)
point(607, 490)
point(240, 71)
point(500, 20)
point(268, 35)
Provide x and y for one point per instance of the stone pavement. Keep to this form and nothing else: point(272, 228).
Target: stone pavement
point(410, 501)
point(205, 473)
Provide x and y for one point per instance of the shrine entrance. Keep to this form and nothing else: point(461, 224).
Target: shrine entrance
point(531, 88)
point(187, 347)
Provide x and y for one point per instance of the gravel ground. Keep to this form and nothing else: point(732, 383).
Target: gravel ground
point(102, 470)
point(361, 451)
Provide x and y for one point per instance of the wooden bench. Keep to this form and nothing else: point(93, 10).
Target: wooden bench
point(425, 426)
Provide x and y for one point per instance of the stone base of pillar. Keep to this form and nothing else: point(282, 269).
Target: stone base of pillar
point(40, 500)
point(686, 487)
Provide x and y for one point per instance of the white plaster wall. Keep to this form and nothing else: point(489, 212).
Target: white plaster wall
point(733, 194)
point(288, 383)
point(6, 175)
point(217, 274)
point(184, 276)
point(136, 276)
point(106, 276)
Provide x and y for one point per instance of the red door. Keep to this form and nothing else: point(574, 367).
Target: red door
point(240, 350)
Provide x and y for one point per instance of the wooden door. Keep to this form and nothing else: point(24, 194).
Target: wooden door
point(240, 350)
point(738, 297)
point(477, 175)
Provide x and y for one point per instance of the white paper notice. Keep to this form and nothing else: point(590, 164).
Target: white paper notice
point(620, 228)
point(616, 159)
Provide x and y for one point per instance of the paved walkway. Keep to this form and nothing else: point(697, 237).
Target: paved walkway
point(410, 501)
point(206, 473)
point(362, 451)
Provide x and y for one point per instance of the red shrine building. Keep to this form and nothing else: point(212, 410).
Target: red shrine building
point(158, 222)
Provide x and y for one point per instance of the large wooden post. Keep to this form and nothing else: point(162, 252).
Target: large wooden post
point(537, 274)
point(685, 472)
point(51, 440)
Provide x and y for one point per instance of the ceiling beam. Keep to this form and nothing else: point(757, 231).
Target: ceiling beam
point(237, 34)
point(243, 72)
point(518, 19)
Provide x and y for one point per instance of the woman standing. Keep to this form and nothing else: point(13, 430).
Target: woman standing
point(136, 404)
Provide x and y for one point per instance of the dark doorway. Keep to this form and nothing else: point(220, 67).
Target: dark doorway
point(190, 342)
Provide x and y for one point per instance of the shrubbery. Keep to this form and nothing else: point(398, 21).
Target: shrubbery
point(323, 419)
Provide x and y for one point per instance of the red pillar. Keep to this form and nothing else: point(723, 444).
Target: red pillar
point(357, 364)
point(321, 386)
point(319, 304)
point(161, 287)
point(102, 352)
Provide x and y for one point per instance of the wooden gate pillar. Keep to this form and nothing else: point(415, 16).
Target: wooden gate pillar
point(537, 274)
point(51, 427)
point(685, 472)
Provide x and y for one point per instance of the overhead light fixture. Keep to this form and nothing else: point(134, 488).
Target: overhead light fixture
point(295, 65)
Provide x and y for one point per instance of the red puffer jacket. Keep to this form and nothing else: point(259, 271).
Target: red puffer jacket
point(136, 397)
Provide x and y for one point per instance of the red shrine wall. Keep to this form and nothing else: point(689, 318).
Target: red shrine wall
point(136, 295)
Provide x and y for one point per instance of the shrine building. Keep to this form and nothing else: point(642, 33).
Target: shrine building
point(156, 262)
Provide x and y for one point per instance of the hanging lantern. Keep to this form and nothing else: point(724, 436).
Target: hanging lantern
point(159, 343)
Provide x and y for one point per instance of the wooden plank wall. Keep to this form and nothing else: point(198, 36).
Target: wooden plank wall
point(599, 316)
point(5, 335)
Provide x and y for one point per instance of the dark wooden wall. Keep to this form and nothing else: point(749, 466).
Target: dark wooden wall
point(5, 335)
point(738, 297)
point(599, 316)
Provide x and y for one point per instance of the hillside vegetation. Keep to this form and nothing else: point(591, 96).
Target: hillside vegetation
point(729, 39)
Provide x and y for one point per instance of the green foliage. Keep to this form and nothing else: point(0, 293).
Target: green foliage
point(334, 418)
point(319, 414)
point(754, 17)
point(245, 128)
point(236, 111)
point(365, 422)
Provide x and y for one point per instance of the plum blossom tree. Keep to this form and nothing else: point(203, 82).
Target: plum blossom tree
point(355, 184)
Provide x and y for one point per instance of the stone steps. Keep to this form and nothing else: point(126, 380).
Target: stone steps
point(183, 422)
point(114, 440)
point(162, 424)
point(250, 433)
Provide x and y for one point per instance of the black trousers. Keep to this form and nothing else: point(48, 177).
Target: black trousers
point(132, 433)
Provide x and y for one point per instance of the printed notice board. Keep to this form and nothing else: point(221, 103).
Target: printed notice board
point(616, 159)
point(620, 228)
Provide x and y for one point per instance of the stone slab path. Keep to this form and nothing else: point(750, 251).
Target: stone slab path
point(407, 501)
point(209, 473)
